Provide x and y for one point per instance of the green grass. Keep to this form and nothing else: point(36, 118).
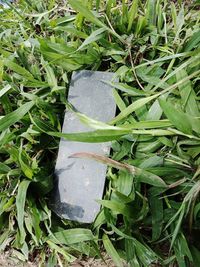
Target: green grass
point(151, 209)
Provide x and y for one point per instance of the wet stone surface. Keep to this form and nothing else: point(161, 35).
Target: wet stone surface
point(80, 182)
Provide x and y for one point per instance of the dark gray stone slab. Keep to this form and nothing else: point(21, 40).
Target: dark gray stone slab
point(80, 182)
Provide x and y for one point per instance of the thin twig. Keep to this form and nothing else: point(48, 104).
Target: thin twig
point(109, 23)
point(133, 69)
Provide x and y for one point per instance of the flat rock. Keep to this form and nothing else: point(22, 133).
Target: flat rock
point(80, 182)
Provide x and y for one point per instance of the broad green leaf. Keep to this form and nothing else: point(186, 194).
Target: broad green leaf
point(152, 161)
point(5, 239)
point(151, 12)
point(174, 15)
point(94, 36)
point(166, 141)
point(195, 255)
point(36, 219)
point(29, 227)
point(59, 48)
point(20, 205)
point(117, 207)
point(42, 125)
point(132, 14)
point(65, 19)
point(124, 182)
point(193, 41)
point(151, 78)
point(149, 147)
point(130, 253)
point(195, 122)
point(99, 136)
point(18, 69)
point(131, 108)
point(21, 158)
point(111, 251)
point(72, 30)
point(15, 116)
point(149, 178)
point(180, 252)
point(4, 90)
point(6, 204)
point(72, 236)
point(184, 246)
point(4, 169)
point(91, 137)
point(178, 118)
point(155, 111)
point(98, 125)
point(157, 213)
point(83, 9)
point(144, 253)
point(51, 78)
point(65, 62)
point(24, 163)
point(179, 22)
point(60, 250)
point(118, 100)
point(188, 95)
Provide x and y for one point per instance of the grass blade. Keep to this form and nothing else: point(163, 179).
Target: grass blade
point(15, 116)
point(20, 204)
point(111, 251)
point(132, 14)
point(72, 236)
point(80, 7)
point(178, 118)
point(94, 36)
point(4, 90)
point(131, 108)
